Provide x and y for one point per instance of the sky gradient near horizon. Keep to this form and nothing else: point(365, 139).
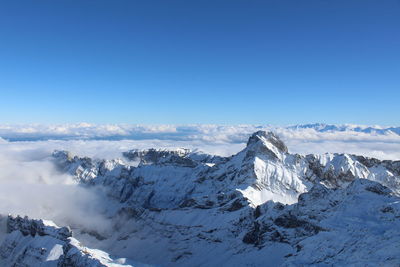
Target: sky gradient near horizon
point(226, 62)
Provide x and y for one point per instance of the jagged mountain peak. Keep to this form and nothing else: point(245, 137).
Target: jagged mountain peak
point(266, 143)
point(176, 157)
point(295, 210)
point(151, 156)
point(264, 170)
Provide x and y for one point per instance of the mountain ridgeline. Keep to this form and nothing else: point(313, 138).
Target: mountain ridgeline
point(260, 207)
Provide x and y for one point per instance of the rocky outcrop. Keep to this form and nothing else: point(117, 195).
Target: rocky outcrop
point(176, 157)
point(267, 137)
point(32, 242)
point(37, 227)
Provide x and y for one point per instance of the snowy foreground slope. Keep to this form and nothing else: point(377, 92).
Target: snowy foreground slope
point(260, 207)
point(42, 243)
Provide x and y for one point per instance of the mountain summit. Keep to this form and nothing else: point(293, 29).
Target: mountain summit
point(263, 204)
point(267, 140)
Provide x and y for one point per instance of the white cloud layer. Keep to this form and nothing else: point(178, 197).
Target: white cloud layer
point(108, 141)
point(222, 133)
point(31, 185)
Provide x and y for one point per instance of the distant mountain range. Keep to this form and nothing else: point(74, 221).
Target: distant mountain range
point(321, 127)
point(226, 133)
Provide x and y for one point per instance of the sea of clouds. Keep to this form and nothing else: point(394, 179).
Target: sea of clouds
point(109, 140)
point(31, 185)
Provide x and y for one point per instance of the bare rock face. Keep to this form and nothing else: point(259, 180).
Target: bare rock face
point(177, 157)
point(263, 136)
point(267, 143)
point(36, 227)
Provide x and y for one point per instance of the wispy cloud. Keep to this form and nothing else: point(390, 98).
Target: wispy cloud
point(30, 184)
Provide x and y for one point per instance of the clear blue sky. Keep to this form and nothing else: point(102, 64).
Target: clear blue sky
point(229, 62)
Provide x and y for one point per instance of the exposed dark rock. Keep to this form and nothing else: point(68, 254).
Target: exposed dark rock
point(254, 236)
point(206, 205)
point(290, 221)
point(257, 212)
point(36, 227)
point(270, 137)
point(237, 204)
point(378, 189)
point(190, 202)
point(166, 157)
point(368, 162)
point(94, 233)
point(387, 209)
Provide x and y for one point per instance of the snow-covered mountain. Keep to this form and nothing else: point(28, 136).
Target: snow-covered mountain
point(322, 127)
point(42, 243)
point(261, 206)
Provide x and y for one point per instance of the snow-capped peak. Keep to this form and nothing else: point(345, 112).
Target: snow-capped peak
point(266, 143)
point(213, 214)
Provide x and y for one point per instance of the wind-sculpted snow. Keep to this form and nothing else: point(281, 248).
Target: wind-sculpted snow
point(260, 206)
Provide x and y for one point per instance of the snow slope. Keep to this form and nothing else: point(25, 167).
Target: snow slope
point(260, 206)
point(42, 243)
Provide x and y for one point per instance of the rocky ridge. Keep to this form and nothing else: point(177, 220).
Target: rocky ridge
point(42, 243)
point(263, 204)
